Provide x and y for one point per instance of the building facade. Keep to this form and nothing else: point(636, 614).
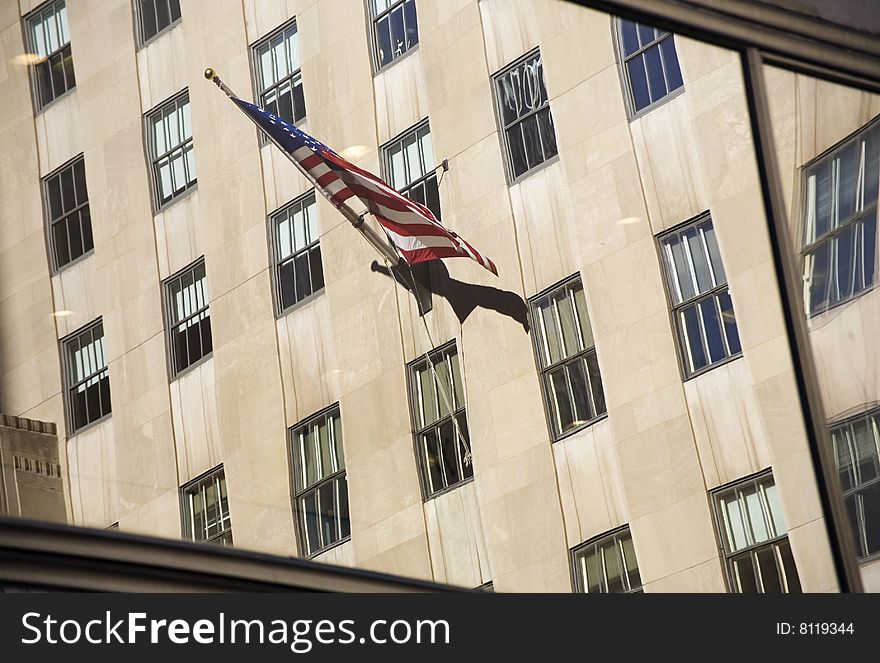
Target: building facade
point(227, 360)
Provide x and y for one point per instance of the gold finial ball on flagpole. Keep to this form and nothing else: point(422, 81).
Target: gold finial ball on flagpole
point(209, 73)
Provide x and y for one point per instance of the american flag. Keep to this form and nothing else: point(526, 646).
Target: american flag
point(411, 226)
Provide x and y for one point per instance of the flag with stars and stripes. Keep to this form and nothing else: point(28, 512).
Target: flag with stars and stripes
point(411, 226)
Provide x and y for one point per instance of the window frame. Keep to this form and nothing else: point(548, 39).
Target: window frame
point(804, 250)
point(421, 461)
point(153, 159)
point(68, 377)
point(140, 42)
point(27, 21)
point(255, 74)
point(726, 555)
point(185, 524)
point(502, 128)
point(297, 493)
point(274, 248)
point(682, 343)
point(387, 169)
point(537, 350)
point(629, 97)
point(49, 223)
point(173, 371)
point(593, 542)
point(856, 490)
point(373, 34)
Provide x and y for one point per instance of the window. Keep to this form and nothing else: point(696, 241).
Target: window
point(171, 149)
point(298, 268)
point(754, 538)
point(206, 509)
point(858, 463)
point(840, 231)
point(189, 320)
point(156, 15)
point(49, 38)
point(321, 500)
point(439, 420)
point(67, 206)
point(567, 357)
point(701, 305)
point(278, 73)
point(607, 565)
point(395, 29)
point(650, 64)
point(88, 382)
point(525, 117)
point(409, 162)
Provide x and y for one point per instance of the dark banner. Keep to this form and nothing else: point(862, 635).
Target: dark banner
point(276, 627)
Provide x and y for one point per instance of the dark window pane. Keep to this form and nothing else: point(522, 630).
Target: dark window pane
point(847, 188)
point(613, 567)
point(432, 460)
point(596, 383)
point(327, 498)
point(820, 283)
point(44, 82)
point(843, 277)
point(518, 161)
point(872, 165)
point(670, 60)
point(560, 404)
point(629, 37)
point(287, 284)
point(175, 10)
point(67, 195)
point(75, 235)
point(770, 580)
point(105, 395)
point(78, 408)
point(448, 444)
point(181, 354)
point(310, 515)
point(823, 199)
point(301, 276)
point(299, 102)
point(70, 82)
point(638, 83)
point(467, 465)
point(316, 268)
point(852, 513)
point(59, 241)
point(93, 400)
point(656, 83)
point(578, 377)
point(56, 62)
point(646, 34)
point(532, 141)
point(868, 252)
point(398, 34)
point(729, 321)
point(789, 568)
point(53, 186)
point(148, 18)
point(712, 325)
point(383, 30)
point(548, 133)
point(432, 196)
point(345, 525)
point(693, 337)
point(412, 27)
point(744, 578)
point(79, 182)
point(285, 103)
point(85, 222)
point(871, 509)
point(163, 17)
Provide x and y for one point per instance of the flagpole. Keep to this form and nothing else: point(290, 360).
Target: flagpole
point(356, 220)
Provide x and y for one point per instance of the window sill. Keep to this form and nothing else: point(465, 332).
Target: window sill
point(541, 166)
point(168, 28)
point(75, 261)
point(164, 207)
point(639, 114)
point(448, 489)
point(56, 100)
point(328, 548)
point(193, 366)
point(706, 369)
point(583, 426)
point(403, 56)
point(90, 425)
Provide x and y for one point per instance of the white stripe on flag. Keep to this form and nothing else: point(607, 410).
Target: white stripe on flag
point(420, 242)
